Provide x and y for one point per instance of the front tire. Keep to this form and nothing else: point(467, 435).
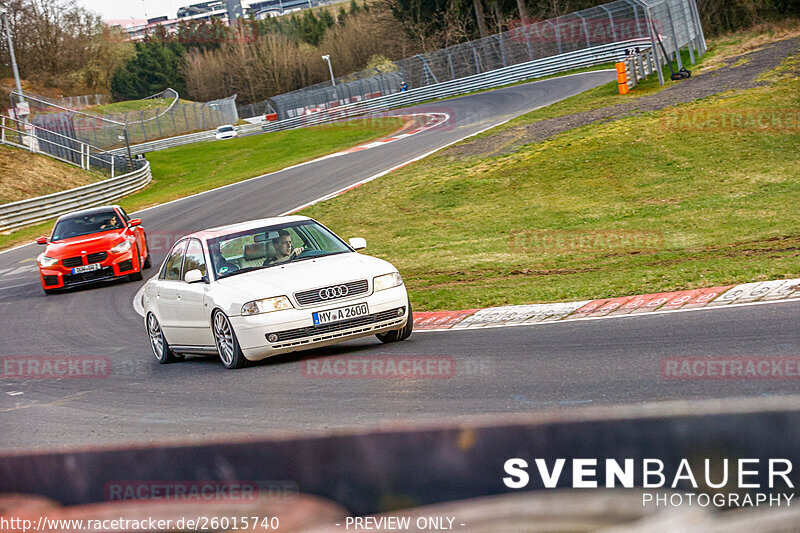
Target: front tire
point(230, 353)
point(158, 342)
point(148, 263)
point(397, 335)
point(137, 276)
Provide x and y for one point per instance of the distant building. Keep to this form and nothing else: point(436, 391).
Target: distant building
point(204, 7)
point(226, 11)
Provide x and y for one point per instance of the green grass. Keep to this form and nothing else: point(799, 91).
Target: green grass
point(715, 207)
point(193, 168)
point(131, 105)
point(602, 96)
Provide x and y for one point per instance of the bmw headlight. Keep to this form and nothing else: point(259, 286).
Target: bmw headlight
point(387, 281)
point(46, 261)
point(267, 305)
point(124, 246)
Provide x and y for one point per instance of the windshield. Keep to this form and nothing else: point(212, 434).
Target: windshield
point(86, 224)
point(223, 129)
point(272, 245)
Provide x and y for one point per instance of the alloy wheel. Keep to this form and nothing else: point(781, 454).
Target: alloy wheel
point(156, 339)
point(224, 338)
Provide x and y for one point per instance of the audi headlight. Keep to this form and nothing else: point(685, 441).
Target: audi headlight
point(387, 281)
point(124, 246)
point(46, 261)
point(267, 305)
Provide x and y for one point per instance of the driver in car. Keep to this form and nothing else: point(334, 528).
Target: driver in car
point(283, 249)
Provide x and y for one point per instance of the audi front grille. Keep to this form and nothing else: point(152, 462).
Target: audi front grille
point(332, 292)
point(72, 261)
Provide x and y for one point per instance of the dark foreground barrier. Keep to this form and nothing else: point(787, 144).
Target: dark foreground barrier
point(419, 464)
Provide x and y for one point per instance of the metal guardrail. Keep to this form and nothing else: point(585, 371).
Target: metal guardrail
point(639, 66)
point(32, 210)
point(170, 142)
point(586, 57)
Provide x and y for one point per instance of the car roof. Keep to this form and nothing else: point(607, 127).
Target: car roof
point(219, 231)
point(88, 212)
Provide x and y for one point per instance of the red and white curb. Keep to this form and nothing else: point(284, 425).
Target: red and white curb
point(433, 120)
point(519, 315)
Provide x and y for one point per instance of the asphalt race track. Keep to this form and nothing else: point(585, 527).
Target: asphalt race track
point(495, 370)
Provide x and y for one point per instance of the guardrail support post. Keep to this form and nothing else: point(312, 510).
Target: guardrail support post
point(675, 47)
point(611, 20)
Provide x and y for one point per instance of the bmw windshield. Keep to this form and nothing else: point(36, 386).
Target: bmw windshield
point(77, 226)
point(265, 247)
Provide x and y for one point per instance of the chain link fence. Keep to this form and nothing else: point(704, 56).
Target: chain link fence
point(25, 135)
point(159, 116)
point(675, 23)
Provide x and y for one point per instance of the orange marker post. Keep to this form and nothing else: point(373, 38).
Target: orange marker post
point(622, 78)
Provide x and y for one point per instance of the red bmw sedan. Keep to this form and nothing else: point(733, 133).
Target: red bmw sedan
point(93, 245)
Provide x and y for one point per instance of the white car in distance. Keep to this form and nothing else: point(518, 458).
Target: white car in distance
point(261, 288)
point(226, 131)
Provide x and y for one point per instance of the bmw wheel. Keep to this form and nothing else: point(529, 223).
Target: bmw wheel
point(227, 346)
point(149, 261)
point(137, 276)
point(401, 334)
point(158, 342)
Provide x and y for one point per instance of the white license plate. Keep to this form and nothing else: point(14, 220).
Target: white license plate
point(86, 268)
point(339, 314)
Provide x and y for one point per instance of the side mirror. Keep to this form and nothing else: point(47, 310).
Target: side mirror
point(41, 240)
point(193, 276)
point(135, 222)
point(357, 243)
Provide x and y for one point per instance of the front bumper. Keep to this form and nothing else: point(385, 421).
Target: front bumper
point(114, 265)
point(296, 330)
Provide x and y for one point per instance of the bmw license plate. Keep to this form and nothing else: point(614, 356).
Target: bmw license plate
point(342, 313)
point(86, 268)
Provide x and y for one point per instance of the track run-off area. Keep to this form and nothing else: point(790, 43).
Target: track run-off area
point(475, 371)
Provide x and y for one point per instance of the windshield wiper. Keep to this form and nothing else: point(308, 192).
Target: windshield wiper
point(312, 257)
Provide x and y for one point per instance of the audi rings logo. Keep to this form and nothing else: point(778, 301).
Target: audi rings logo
point(329, 293)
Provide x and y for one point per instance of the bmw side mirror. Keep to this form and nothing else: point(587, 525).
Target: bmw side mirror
point(193, 276)
point(357, 243)
point(41, 240)
point(135, 222)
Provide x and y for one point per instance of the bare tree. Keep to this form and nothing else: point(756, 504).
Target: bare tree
point(480, 18)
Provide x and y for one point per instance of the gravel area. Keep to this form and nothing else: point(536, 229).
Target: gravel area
point(735, 74)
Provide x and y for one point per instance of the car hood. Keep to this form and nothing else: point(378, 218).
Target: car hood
point(95, 242)
point(309, 274)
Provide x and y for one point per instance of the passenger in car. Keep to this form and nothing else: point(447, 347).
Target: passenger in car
point(283, 249)
point(222, 265)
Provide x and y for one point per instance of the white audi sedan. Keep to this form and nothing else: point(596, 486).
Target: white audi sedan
point(261, 288)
